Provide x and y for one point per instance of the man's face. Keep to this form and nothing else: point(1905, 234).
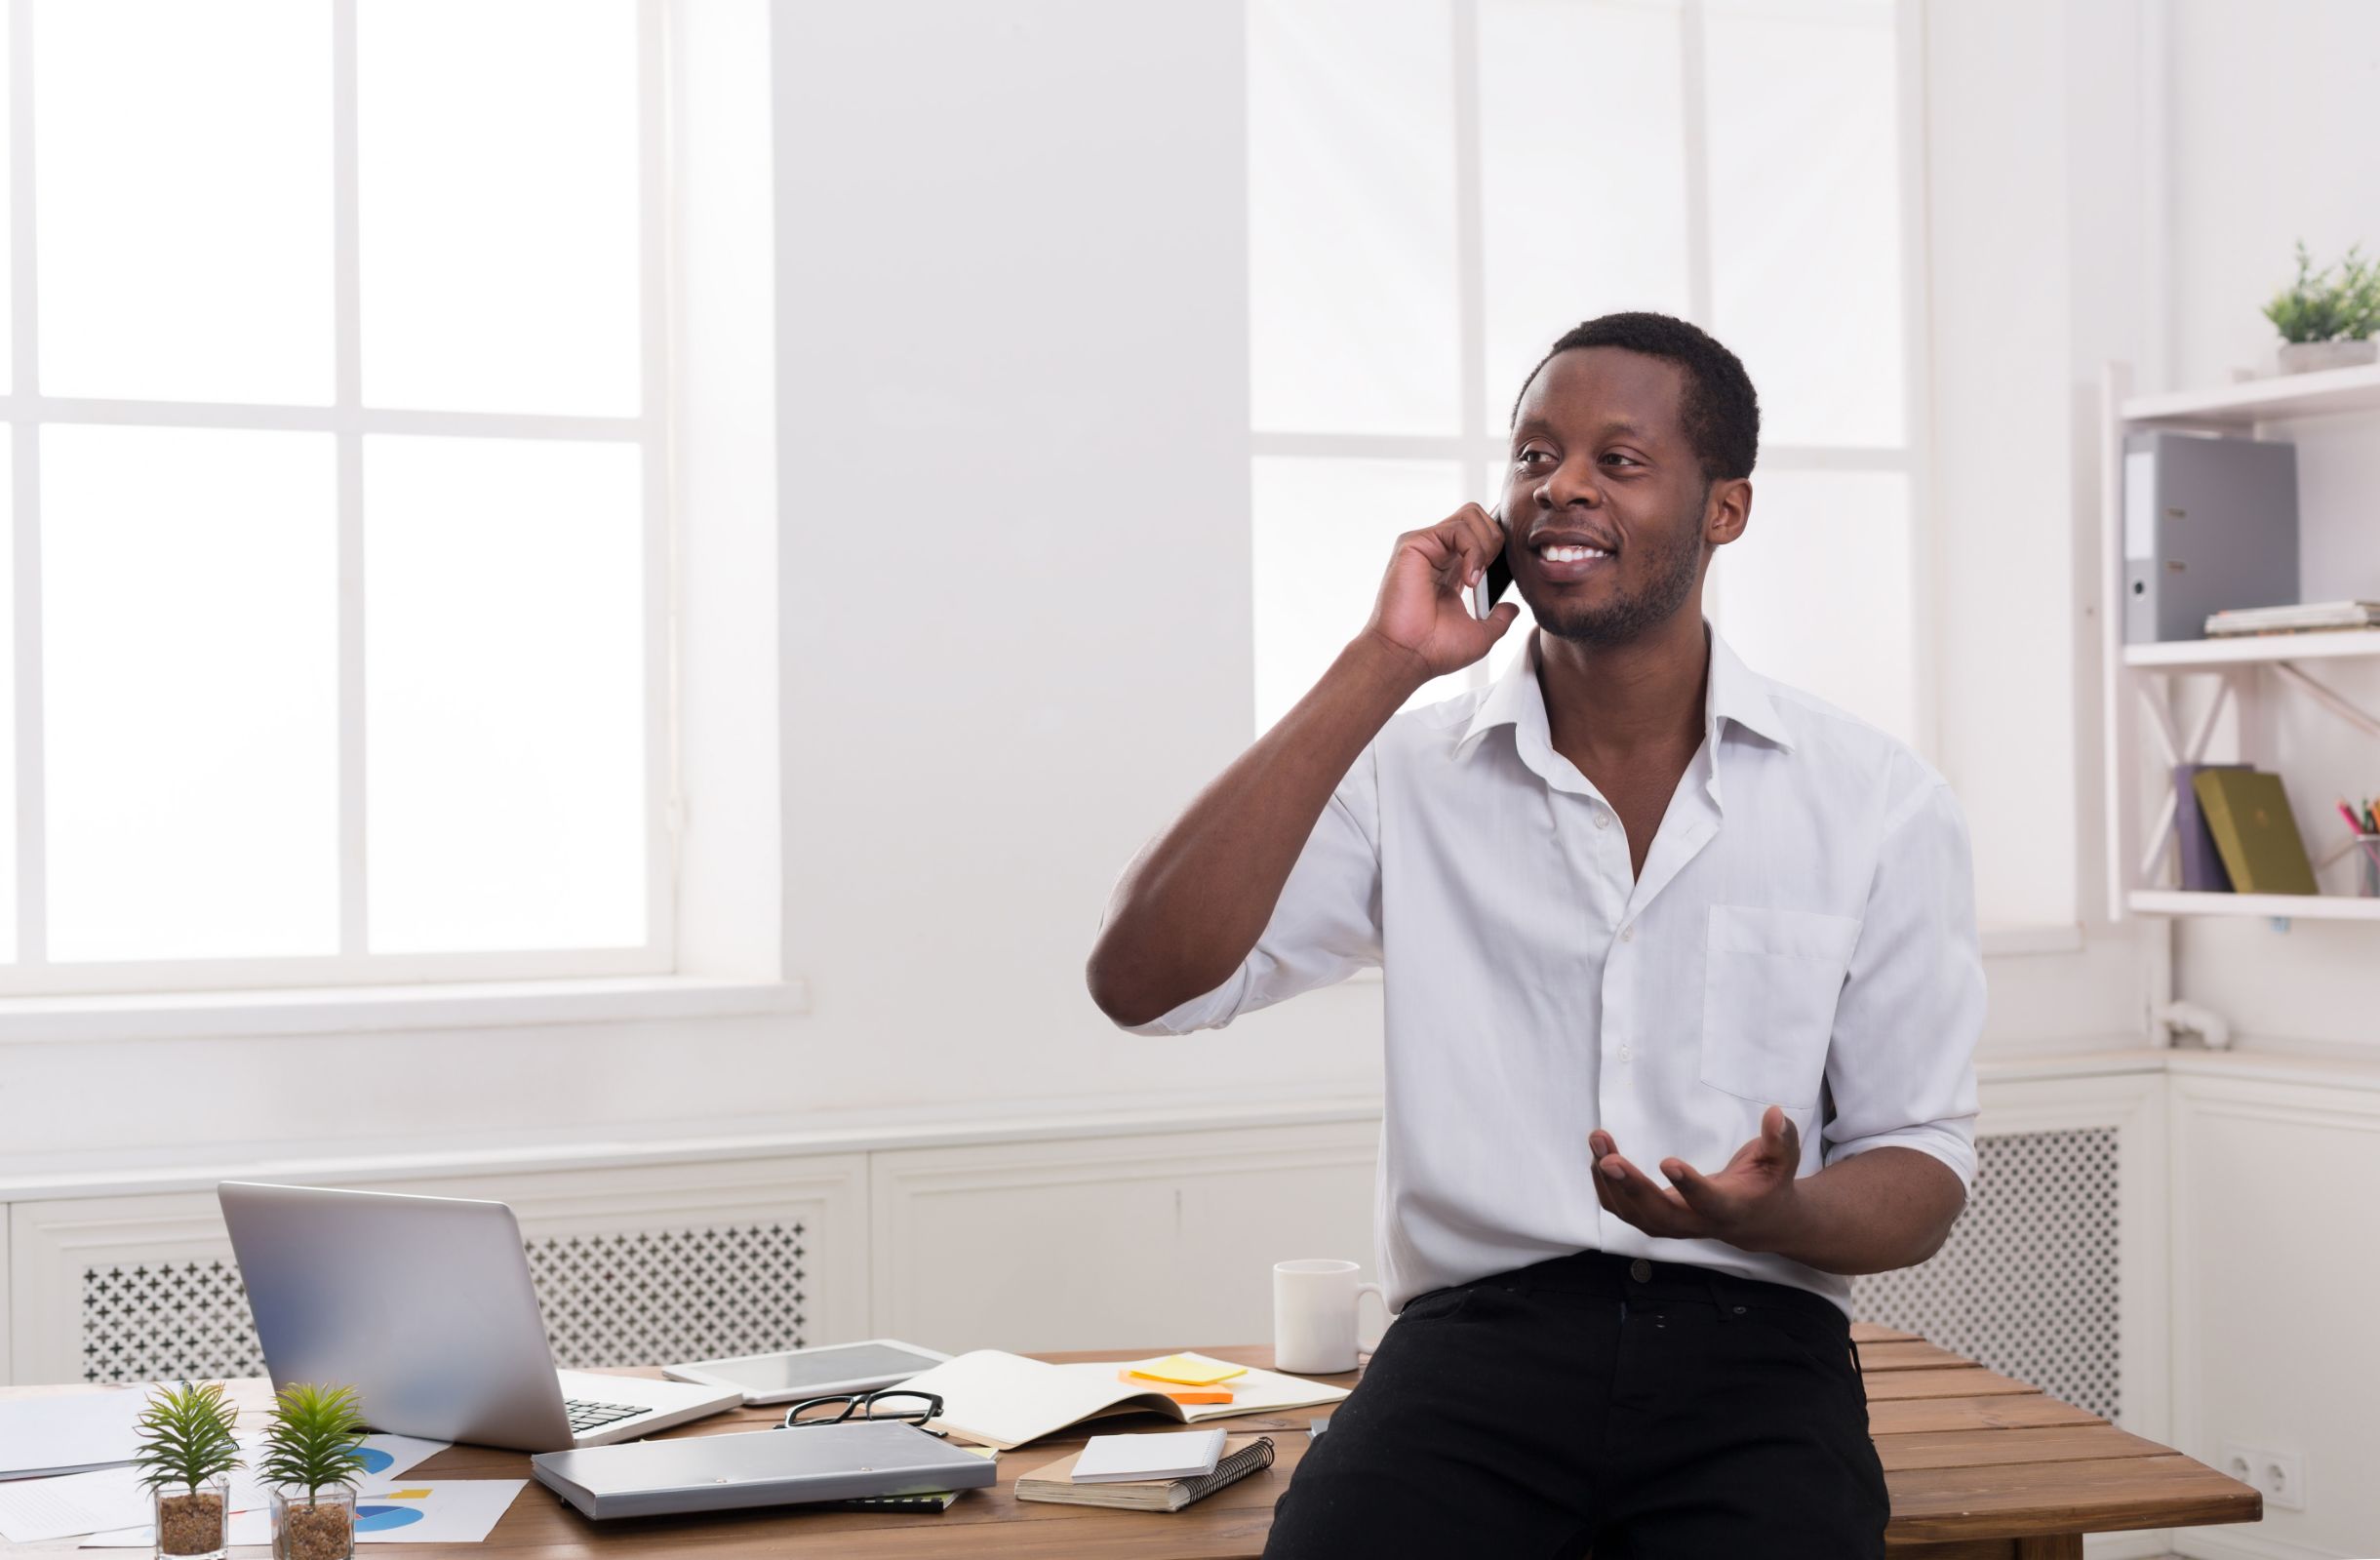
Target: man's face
point(1600, 453)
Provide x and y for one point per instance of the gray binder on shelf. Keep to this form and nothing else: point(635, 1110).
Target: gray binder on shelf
point(2209, 524)
point(757, 1468)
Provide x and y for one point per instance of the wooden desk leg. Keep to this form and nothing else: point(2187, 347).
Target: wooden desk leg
point(2057, 1547)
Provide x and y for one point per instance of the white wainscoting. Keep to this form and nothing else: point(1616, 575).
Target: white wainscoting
point(1164, 1240)
point(2249, 1249)
point(53, 1244)
point(2277, 1264)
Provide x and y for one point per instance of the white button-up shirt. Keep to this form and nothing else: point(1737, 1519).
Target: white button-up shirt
point(1803, 935)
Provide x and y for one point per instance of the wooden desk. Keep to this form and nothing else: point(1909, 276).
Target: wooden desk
point(1981, 1467)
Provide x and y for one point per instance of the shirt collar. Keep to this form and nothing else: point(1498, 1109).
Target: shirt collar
point(1735, 693)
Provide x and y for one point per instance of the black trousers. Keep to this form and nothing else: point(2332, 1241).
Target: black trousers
point(1649, 1410)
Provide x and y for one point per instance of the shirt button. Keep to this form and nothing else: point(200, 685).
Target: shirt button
point(1623, 1053)
point(1641, 1270)
point(1628, 933)
point(1601, 817)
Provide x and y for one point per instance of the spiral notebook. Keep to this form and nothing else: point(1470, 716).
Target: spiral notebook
point(1243, 1455)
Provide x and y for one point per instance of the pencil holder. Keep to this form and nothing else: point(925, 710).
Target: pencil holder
point(2368, 865)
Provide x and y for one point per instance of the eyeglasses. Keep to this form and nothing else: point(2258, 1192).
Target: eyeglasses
point(909, 1408)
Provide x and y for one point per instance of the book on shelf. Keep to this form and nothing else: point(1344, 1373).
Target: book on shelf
point(1243, 1455)
point(2308, 616)
point(2202, 863)
point(2247, 811)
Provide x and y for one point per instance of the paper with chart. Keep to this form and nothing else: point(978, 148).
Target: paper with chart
point(113, 1508)
point(407, 1511)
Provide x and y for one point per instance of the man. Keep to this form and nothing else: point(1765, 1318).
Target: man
point(1682, 991)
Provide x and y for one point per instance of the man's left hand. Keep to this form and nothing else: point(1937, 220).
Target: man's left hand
point(1750, 1203)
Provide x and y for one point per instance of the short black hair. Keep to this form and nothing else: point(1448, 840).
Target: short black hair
point(1721, 412)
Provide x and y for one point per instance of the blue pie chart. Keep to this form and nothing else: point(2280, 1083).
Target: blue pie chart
point(381, 1518)
point(373, 1459)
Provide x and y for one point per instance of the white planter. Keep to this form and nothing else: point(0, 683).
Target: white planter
point(2304, 357)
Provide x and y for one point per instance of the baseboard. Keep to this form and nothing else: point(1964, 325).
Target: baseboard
point(2246, 1544)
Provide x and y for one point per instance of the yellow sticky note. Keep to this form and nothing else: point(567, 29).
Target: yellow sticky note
point(1189, 1370)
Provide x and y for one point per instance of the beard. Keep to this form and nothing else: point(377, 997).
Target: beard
point(1667, 580)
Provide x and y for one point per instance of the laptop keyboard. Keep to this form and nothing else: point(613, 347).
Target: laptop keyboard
point(586, 1416)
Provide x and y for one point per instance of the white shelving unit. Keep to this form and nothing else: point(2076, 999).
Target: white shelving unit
point(2141, 849)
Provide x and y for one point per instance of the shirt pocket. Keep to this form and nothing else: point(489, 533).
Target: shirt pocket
point(1769, 1000)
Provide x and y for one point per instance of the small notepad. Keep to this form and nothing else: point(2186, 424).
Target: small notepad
point(1189, 1370)
point(1166, 1455)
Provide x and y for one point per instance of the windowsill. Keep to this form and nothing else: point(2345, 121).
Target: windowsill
point(373, 1009)
point(1999, 942)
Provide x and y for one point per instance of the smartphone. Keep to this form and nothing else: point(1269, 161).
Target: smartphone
point(1499, 579)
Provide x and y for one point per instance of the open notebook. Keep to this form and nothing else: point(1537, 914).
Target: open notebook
point(1005, 1400)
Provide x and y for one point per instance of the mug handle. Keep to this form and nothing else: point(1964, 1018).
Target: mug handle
point(1362, 1344)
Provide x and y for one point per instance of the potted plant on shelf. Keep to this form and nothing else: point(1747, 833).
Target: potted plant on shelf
point(186, 1456)
point(310, 1458)
point(2327, 324)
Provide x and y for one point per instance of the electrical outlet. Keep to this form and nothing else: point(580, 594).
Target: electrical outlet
point(2280, 1476)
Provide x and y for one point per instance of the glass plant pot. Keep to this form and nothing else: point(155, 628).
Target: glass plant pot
point(321, 1529)
point(194, 1521)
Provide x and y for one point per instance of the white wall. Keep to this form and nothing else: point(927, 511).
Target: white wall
point(1014, 566)
point(2030, 156)
point(2272, 141)
point(2271, 120)
point(1015, 472)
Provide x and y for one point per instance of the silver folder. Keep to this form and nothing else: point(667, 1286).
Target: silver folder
point(758, 1468)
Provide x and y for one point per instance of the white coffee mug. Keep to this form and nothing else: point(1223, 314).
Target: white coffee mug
point(1316, 1303)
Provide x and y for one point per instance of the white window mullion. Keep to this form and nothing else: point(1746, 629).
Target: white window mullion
point(324, 419)
point(1697, 168)
point(1470, 264)
point(347, 377)
point(1926, 583)
point(1470, 272)
point(664, 807)
point(32, 878)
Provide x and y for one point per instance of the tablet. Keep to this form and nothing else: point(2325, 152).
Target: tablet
point(801, 1373)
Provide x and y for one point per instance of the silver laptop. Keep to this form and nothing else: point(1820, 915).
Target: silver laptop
point(423, 1305)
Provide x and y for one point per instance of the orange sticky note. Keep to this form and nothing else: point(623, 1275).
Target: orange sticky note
point(1180, 1394)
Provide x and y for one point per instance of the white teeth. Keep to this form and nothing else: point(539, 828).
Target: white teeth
point(1571, 554)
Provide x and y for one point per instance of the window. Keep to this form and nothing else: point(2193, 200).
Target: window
point(336, 477)
point(1440, 188)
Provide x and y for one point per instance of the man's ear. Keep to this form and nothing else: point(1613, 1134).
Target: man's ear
point(1725, 509)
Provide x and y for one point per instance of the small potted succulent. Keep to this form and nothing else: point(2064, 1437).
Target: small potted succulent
point(310, 1456)
point(2327, 324)
point(185, 1458)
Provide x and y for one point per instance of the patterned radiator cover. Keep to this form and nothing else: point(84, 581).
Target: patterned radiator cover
point(630, 1298)
point(2027, 1282)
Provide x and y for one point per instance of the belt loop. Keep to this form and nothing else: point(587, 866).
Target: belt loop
point(1719, 1301)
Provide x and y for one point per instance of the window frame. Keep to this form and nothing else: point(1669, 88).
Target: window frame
point(30, 973)
point(1480, 449)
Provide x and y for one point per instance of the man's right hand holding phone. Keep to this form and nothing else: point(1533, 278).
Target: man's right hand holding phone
point(1423, 609)
point(1193, 902)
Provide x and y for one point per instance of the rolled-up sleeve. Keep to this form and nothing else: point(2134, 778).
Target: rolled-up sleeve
point(1901, 1069)
point(1326, 924)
